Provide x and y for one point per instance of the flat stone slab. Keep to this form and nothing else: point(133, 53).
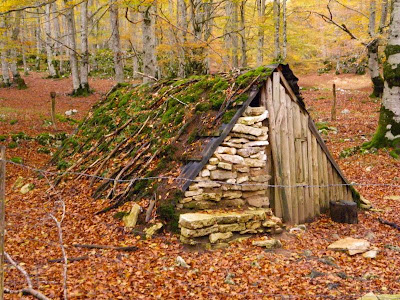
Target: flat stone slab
point(372, 296)
point(353, 246)
point(201, 220)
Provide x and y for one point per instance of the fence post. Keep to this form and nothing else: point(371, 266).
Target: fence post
point(333, 111)
point(53, 108)
point(2, 215)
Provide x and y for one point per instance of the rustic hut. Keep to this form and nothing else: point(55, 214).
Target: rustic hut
point(241, 147)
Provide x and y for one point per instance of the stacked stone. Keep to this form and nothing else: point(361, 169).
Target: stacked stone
point(220, 226)
point(236, 174)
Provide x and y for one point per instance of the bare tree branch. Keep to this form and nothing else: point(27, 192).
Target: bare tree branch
point(27, 7)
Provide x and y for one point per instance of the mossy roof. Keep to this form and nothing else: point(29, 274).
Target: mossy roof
point(163, 129)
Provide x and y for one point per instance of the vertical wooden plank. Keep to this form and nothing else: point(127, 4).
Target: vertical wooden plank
point(298, 158)
point(310, 175)
point(285, 154)
point(340, 181)
point(330, 182)
point(273, 139)
point(2, 215)
point(293, 190)
point(325, 165)
point(315, 182)
point(304, 130)
point(321, 180)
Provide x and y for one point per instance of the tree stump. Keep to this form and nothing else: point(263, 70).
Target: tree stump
point(344, 212)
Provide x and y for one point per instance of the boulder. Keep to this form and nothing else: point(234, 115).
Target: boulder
point(180, 262)
point(233, 159)
point(130, 220)
point(268, 243)
point(27, 188)
point(152, 230)
point(222, 175)
point(353, 246)
point(370, 254)
point(220, 236)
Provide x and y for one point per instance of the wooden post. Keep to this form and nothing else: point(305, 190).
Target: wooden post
point(53, 108)
point(333, 111)
point(2, 215)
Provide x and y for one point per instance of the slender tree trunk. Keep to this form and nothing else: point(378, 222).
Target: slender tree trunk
point(13, 52)
point(388, 132)
point(373, 48)
point(73, 58)
point(49, 43)
point(208, 26)
point(134, 43)
point(149, 43)
point(23, 46)
point(4, 62)
point(58, 36)
point(182, 23)
point(277, 22)
point(243, 42)
point(84, 48)
point(38, 34)
point(116, 43)
point(284, 30)
point(384, 15)
point(260, 39)
point(231, 39)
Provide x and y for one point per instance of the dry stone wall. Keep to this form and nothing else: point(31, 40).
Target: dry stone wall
point(236, 175)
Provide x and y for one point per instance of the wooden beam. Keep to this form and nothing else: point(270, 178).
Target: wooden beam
point(2, 215)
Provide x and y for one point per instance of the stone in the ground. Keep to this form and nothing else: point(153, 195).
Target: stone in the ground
point(222, 175)
point(19, 182)
point(233, 159)
point(393, 197)
point(371, 254)
point(254, 111)
point(27, 188)
point(372, 296)
point(130, 220)
point(345, 111)
point(220, 236)
point(180, 262)
point(152, 230)
point(268, 243)
point(353, 246)
point(315, 274)
point(228, 279)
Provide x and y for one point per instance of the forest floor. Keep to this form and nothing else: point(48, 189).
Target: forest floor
point(302, 269)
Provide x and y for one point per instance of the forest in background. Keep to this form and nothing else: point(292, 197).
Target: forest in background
point(154, 39)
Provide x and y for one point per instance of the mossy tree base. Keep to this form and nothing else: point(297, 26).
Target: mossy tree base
point(388, 133)
point(378, 87)
point(82, 91)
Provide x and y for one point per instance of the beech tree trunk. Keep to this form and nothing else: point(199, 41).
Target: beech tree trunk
point(284, 30)
point(58, 37)
point(260, 38)
point(182, 24)
point(84, 48)
point(4, 62)
point(73, 58)
point(373, 54)
point(116, 43)
point(49, 43)
point(231, 40)
point(277, 25)
point(149, 44)
point(38, 35)
point(243, 43)
point(13, 52)
point(388, 132)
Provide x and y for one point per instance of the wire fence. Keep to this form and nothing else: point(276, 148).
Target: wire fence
point(41, 218)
